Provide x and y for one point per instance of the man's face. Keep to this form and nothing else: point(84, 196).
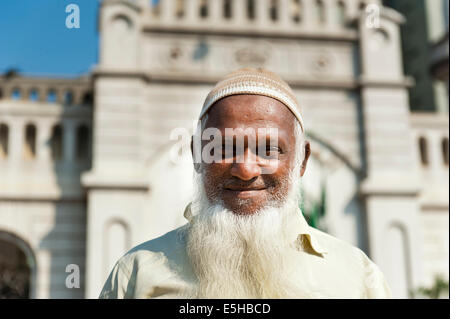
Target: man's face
point(243, 184)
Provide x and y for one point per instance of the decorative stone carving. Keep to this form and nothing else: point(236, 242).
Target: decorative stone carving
point(321, 63)
point(253, 56)
point(174, 55)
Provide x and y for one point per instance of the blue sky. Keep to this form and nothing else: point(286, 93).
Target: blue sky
point(35, 39)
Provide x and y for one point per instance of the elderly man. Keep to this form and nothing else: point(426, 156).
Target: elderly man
point(246, 236)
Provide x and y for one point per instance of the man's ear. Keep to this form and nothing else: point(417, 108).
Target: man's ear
point(197, 166)
point(305, 160)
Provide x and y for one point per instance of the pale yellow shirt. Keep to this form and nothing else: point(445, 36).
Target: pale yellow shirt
point(160, 268)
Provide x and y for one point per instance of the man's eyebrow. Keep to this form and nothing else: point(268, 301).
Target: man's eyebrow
point(266, 138)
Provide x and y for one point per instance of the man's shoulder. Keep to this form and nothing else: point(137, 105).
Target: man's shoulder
point(342, 249)
point(168, 246)
point(350, 264)
point(136, 272)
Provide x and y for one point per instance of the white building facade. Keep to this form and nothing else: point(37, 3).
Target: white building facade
point(108, 182)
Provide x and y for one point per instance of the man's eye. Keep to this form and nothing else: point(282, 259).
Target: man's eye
point(271, 151)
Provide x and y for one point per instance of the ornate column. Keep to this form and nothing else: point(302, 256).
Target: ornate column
point(16, 140)
point(239, 12)
point(216, 11)
point(191, 11)
point(391, 187)
point(308, 14)
point(331, 13)
point(262, 12)
point(167, 10)
point(285, 14)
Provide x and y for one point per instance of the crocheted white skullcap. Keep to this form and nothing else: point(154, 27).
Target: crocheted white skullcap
point(254, 81)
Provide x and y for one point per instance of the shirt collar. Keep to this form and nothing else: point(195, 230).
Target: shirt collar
point(304, 230)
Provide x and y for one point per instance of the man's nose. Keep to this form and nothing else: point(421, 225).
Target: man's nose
point(246, 167)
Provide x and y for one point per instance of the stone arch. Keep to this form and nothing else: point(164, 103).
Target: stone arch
point(68, 97)
point(16, 93)
point(341, 12)
point(51, 96)
point(4, 140)
point(121, 20)
point(120, 38)
point(56, 142)
point(180, 8)
point(334, 151)
point(320, 12)
point(444, 150)
point(362, 5)
point(423, 150)
point(87, 98)
point(329, 170)
point(251, 10)
point(21, 262)
point(116, 241)
point(398, 249)
point(296, 13)
point(30, 137)
point(228, 9)
point(203, 9)
point(33, 94)
point(274, 10)
point(83, 142)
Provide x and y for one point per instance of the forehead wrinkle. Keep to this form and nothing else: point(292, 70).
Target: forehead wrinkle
point(250, 111)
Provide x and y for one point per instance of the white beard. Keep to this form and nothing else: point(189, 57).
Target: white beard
point(246, 256)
